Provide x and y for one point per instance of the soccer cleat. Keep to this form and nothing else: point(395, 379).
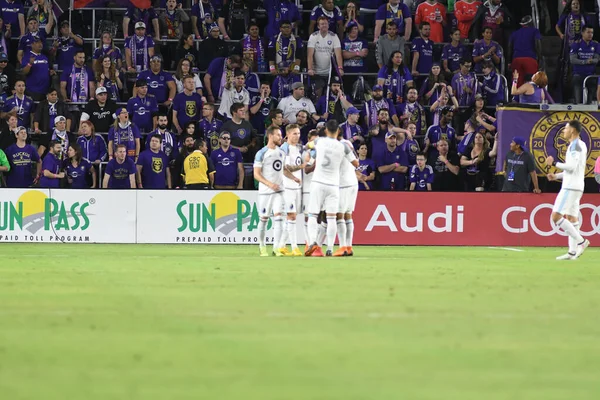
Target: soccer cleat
point(310, 250)
point(318, 252)
point(341, 252)
point(581, 248)
point(296, 252)
point(349, 251)
point(263, 251)
point(277, 253)
point(567, 256)
point(284, 251)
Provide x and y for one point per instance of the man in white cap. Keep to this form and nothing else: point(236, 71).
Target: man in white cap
point(100, 110)
point(296, 102)
point(139, 48)
point(61, 136)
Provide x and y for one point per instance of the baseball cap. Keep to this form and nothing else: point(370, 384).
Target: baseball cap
point(297, 85)
point(377, 87)
point(526, 20)
point(65, 22)
point(3, 57)
point(336, 79)
point(283, 64)
point(140, 24)
point(32, 18)
point(478, 96)
point(352, 110)
point(59, 118)
point(156, 57)
point(519, 141)
point(214, 26)
point(224, 133)
point(101, 89)
point(390, 134)
point(119, 111)
point(36, 39)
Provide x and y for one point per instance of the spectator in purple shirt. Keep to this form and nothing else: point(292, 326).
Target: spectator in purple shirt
point(93, 147)
point(13, 14)
point(369, 113)
point(421, 175)
point(486, 50)
point(22, 158)
point(33, 27)
point(65, 46)
point(161, 84)
point(120, 171)
point(452, 54)
point(219, 72)
point(78, 169)
point(525, 49)
point(465, 84)
point(422, 52)
point(584, 57)
point(78, 82)
point(395, 78)
point(36, 67)
point(393, 10)
point(133, 16)
point(333, 14)
point(279, 11)
point(433, 86)
point(532, 92)
point(229, 165)
point(139, 49)
point(108, 48)
point(204, 14)
point(392, 164)
point(187, 105)
point(143, 108)
point(367, 169)
point(284, 49)
point(153, 166)
point(492, 86)
point(123, 132)
point(354, 50)
point(51, 174)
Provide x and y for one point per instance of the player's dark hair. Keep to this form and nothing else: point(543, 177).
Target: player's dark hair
point(271, 130)
point(332, 125)
point(575, 125)
point(312, 133)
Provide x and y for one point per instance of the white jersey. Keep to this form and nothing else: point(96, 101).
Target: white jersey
point(290, 107)
point(271, 162)
point(293, 157)
point(347, 171)
point(307, 178)
point(330, 155)
point(231, 96)
point(573, 174)
point(324, 48)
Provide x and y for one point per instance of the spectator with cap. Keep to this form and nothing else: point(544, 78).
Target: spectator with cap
point(234, 19)
point(354, 50)
point(321, 46)
point(143, 108)
point(392, 164)
point(139, 48)
point(332, 104)
point(525, 49)
point(296, 102)
point(100, 111)
point(220, 71)
point(229, 165)
point(351, 129)
point(36, 67)
point(519, 169)
point(7, 79)
point(123, 132)
point(260, 107)
point(393, 10)
point(47, 110)
point(33, 27)
point(78, 83)
point(422, 52)
point(59, 135)
point(434, 13)
point(370, 111)
point(212, 48)
point(243, 134)
point(135, 17)
point(282, 84)
point(389, 43)
point(187, 106)
point(492, 86)
point(161, 84)
point(65, 46)
point(234, 92)
point(20, 104)
point(284, 49)
point(332, 14)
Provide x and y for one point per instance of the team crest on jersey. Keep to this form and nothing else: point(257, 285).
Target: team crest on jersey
point(277, 165)
point(329, 43)
point(190, 108)
point(157, 164)
point(241, 133)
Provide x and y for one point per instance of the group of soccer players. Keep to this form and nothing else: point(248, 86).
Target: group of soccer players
point(319, 180)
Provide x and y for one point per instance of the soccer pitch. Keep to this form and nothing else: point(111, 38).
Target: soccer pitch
point(218, 322)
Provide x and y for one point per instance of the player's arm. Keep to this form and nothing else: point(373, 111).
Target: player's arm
point(290, 176)
point(571, 164)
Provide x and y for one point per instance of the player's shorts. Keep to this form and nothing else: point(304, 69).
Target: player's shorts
point(323, 198)
point(567, 202)
point(293, 200)
point(348, 197)
point(270, 203)
point(305, 202)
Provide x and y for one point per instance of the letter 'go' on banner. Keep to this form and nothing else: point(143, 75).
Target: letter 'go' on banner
point(543, 131)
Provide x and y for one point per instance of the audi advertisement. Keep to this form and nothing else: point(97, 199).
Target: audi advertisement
point(467, 219)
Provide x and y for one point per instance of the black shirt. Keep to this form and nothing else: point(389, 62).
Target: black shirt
point(443, 179)
point(242, 134)
point(101, 117)
point(237, 16)
point(517, 170)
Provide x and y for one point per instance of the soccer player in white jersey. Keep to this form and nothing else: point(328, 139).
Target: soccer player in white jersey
point(268, 171)
point(307, 174)
point(292, 183)
point(348, 195)
point(566, 207)
point(325, 186)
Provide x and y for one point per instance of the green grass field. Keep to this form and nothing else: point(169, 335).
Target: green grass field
point(218, 322)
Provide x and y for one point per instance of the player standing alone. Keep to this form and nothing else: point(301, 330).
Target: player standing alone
point(324, 189)
point(566, 206)
point(268, 171)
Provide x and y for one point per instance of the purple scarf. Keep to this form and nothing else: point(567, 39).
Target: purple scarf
point(259, 53)
point(84, 81)
point(372, 110)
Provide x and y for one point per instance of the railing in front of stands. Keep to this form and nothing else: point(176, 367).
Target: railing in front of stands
point(585, 89)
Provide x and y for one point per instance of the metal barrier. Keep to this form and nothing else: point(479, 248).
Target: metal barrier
point(585, 90)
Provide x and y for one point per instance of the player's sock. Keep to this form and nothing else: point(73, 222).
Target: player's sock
point(349, 232)
point(262, 232)
point(573, 233)
point(331, 232)
point(313, 229)
point(322, 234)
point(291, 233)
point(341, 232)
point(572, 243)
point(284, 233)
point(277, 225)
point(306, 236)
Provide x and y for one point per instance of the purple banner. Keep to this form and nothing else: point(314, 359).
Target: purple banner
point(542, 131)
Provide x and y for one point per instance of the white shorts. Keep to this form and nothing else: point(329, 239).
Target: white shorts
point(305, 202)
point(323, 198)
point(348, 197)
point(293, 200)
point(270, 202)
point(567, 202)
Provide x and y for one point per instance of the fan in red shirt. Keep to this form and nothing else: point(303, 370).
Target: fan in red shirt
point(465, 11)
point(434, 13)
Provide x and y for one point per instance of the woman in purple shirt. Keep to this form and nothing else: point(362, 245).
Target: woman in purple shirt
point(366, 168)
point(395, 78)
point(531, 92)
point(78, 169)
point(433, 85)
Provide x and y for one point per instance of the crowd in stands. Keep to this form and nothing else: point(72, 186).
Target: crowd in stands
point(179, 86)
